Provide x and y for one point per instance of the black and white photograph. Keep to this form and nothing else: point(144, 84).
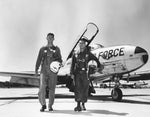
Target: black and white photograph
point(85, 58)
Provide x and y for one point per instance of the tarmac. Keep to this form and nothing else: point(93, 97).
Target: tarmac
point(23, 102)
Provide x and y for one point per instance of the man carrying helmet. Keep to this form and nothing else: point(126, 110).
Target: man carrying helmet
point(79, 69)
point(48, 78)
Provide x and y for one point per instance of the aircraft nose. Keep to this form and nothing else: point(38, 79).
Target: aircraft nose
point(139, 50)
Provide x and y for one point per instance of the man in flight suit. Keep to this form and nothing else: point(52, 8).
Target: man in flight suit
point(79, 73)
point(46, 56)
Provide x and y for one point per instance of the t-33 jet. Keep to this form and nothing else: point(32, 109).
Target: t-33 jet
point(116, 62)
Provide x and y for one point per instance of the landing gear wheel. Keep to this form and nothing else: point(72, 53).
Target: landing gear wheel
point(116, 94)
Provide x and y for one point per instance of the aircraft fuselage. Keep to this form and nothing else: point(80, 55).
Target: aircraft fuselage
point(121, 59)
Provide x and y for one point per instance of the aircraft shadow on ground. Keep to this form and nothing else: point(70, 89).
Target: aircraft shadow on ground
point(88, 112)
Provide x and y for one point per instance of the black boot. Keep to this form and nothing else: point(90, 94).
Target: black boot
point(50, 109)
point(83, 107)
point(78, 108)
point(43, 108)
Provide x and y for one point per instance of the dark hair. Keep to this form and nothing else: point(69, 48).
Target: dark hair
point(84, 40)
point(50, 34)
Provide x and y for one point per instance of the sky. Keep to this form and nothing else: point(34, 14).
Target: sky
point(24, 25)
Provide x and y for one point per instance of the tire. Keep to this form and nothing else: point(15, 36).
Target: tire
point(116, 94)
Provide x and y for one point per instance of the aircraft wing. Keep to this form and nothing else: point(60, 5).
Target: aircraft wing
point(30, 74)
point(29, 78)
point(137, 76)
point(105, 77)
point(89, 33)
point(100, 77)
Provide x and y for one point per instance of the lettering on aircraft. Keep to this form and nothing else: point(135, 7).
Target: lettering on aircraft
point(111, 53)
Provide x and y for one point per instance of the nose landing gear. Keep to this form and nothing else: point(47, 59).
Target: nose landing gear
point(116, 94)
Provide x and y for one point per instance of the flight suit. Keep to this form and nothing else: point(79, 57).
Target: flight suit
point(47, 77)
point(79, 69)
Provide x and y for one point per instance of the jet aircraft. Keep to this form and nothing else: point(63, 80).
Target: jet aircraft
point(116, 61)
